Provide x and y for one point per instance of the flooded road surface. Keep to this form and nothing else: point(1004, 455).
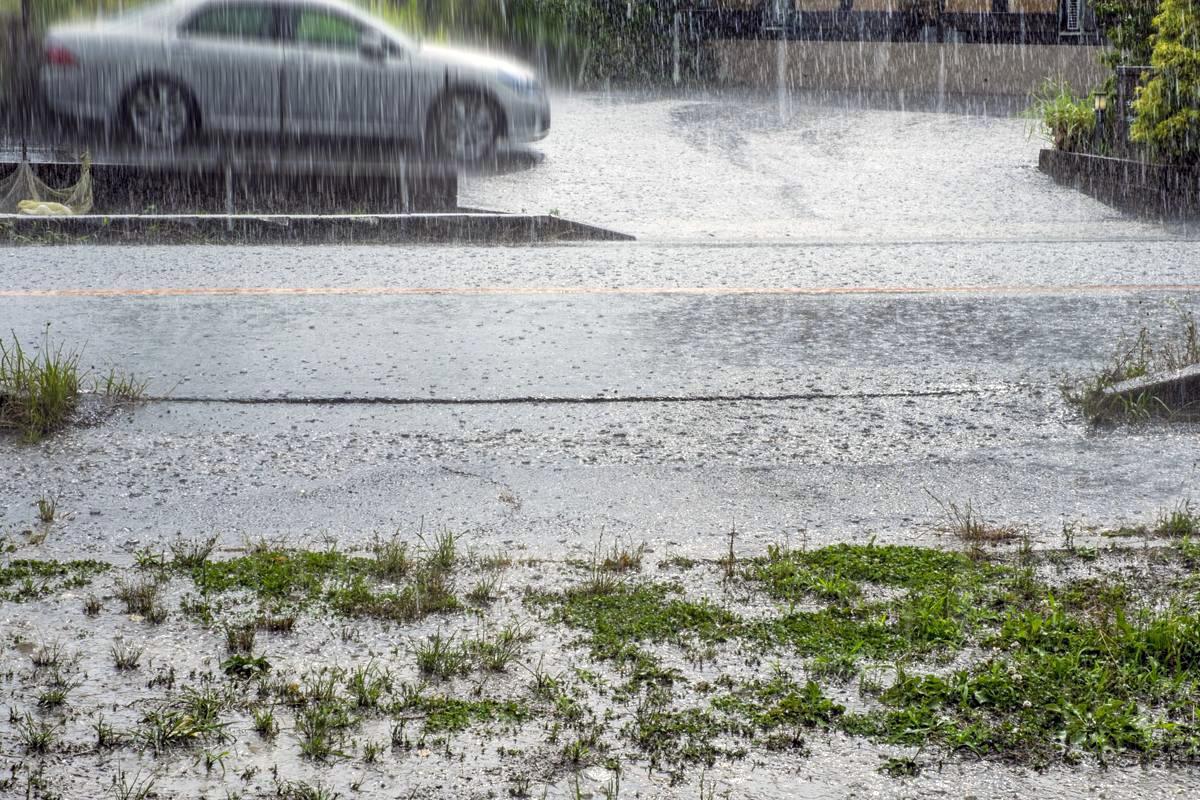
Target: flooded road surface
point(830, 326)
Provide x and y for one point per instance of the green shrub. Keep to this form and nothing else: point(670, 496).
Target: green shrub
point(1167, 107)
point(1127, 24)
point(1066, 120)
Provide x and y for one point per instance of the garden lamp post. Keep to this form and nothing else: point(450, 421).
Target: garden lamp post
point(1100, 105)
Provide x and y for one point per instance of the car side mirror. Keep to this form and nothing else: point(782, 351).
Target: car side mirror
point(371, 46)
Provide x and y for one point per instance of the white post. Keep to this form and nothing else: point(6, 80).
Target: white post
point(675, 49)
point(228, 197)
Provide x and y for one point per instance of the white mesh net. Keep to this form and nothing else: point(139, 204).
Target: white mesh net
point(23, 185)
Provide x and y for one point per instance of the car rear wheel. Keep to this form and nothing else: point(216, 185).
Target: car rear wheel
point(160, 113)
point(464, 126)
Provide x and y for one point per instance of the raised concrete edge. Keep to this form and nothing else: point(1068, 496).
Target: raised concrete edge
point(1178, 390)
point(471, 227)
point(1136, 187)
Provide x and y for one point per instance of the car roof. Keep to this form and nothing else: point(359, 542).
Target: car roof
point(174, 11)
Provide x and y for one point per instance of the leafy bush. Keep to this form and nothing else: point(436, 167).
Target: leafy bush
point(1065, 119)
point(1167, 107)
point(1127, 24)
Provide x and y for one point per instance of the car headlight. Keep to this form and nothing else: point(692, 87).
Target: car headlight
point(521, 84)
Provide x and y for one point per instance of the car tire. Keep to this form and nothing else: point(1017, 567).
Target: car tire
point(159, 113)
point(464, 126)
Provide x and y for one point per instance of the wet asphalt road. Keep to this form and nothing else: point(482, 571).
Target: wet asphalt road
point(826, 323)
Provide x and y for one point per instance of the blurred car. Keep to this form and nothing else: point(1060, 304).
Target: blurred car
point(292, 67)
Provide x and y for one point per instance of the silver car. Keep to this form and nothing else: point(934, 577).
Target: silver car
point(293, 67)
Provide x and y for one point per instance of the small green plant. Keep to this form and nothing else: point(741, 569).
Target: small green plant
point(968, 524)
point(49, 655)
point(393, 561)
point(47, 508)
point(484, 591)
point(193, 717)
point(624, 559)
point(136, 787)
point(442, 551)
point(244, 666)
point(39, 392)
point(371, 751)
point(106, 735)
point(441, 656)
point(321, 728)
point(35, 735)
point(190, 554)
point(239, 638)
point(900, 767)
point(1179, 522)
point(125, 656)
point(299, 790)
point(496, 651)
point(140, 596)
point(368, 684)
point(265, 723)
point(1066, 120)
point(117, 385)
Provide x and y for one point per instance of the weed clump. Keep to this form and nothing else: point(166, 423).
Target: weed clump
point(38, 392)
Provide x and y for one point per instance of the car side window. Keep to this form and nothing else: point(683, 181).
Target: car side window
point(244, 21)
point(316, 27)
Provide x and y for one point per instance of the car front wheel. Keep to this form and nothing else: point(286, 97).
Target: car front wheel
point(464, 126)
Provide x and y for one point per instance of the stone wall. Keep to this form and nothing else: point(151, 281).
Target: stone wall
point(912, 67)
point(1158, 191)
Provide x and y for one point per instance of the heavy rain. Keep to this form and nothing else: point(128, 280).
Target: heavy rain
point(718, 399)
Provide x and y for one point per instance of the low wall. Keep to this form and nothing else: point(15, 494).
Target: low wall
point(201, 186)
point(1149, 190)
point(912, 67)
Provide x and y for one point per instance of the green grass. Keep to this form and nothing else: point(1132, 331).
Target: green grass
point(29, 579)
point(1079, 668)
point(350, 586)
point(38, 391)
point(190, 719)
point(441, 657)
point(117, 385)
point(445, 714)
point(322, 729)
point(36, 736)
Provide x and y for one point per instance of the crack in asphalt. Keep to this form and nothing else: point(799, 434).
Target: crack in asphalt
point(317, 400)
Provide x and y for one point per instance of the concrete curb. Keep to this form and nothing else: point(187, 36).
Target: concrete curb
point(430, 228)
point(1177, 392)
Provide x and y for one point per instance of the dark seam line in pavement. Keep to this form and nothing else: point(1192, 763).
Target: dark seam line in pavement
point(509, 401)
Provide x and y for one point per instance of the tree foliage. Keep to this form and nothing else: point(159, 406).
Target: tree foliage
point(1128, 25)
point(1167, 107)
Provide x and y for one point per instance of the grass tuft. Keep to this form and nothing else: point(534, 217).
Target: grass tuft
point(126, 657)
point(38, 392)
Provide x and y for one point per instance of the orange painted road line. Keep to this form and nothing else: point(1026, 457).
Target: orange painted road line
point(222, 291)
